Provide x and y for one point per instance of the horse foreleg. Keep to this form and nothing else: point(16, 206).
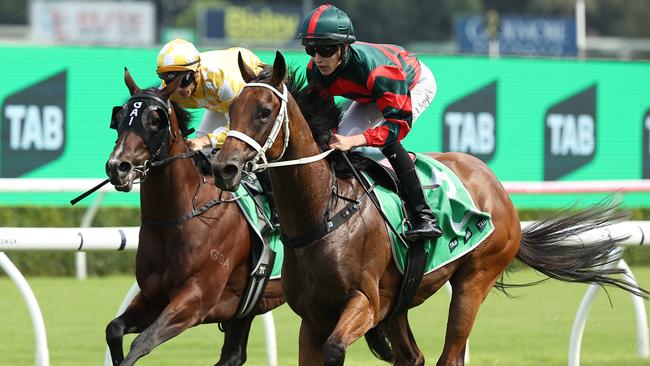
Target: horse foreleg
point(357, 317)
point(233, 351)
point(405, 350)
point(310, 341)
point(137, 316)
point(184, 311)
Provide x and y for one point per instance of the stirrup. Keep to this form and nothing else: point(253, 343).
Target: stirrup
point(417, 234)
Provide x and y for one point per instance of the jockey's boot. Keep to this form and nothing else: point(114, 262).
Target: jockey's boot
point(424, 224)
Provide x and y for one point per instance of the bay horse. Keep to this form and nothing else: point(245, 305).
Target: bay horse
point(344, 284)
point(191, 268)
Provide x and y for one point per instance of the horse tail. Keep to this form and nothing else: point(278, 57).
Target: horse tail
point(379, 344)
point(542, 248)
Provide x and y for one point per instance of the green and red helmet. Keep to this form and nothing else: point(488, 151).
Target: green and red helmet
point(326, 25)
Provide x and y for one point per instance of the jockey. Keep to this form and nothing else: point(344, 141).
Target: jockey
point(390, 89)
point(210, 80)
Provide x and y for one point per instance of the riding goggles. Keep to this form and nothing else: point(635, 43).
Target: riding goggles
point(187, 77)
point(323, 51)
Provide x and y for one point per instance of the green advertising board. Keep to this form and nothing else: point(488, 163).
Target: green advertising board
point(528, 119)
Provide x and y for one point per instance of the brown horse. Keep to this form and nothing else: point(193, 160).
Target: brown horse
point(345, 283)
point(191, 268)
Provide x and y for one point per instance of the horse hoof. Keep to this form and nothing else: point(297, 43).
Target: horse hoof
point(333, 354)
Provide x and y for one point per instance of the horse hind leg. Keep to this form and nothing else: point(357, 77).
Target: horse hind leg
point(405, 349)
point(137, 316)
point(470, 286)
point(233, 351)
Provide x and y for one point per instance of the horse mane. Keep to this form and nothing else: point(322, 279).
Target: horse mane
point(321, 113)
point(184, 118)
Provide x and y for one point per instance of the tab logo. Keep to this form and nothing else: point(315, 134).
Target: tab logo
point(469, 125)
point(33, 126)
point(646, 144)
point(570, 134)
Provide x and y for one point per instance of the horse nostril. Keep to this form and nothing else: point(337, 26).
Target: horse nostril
point(124, 167)
point(230, 171)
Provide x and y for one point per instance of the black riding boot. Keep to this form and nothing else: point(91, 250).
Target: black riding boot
point(424, 224)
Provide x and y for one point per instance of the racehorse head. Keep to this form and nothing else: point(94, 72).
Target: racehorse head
point(147, 125)
point(259, 122)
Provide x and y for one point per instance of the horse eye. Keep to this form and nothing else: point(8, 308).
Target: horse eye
point(264, 113)
point(154, 120)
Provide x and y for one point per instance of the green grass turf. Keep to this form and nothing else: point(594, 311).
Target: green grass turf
point(532, 329)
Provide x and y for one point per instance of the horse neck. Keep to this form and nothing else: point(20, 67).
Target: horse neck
point(168, 189)
point(300, 191)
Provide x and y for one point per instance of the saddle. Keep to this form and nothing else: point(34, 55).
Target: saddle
point(384, 175)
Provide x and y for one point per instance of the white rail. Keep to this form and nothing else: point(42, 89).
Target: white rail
point(562, 187)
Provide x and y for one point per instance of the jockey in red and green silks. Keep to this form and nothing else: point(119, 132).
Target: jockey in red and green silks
point(390, 89)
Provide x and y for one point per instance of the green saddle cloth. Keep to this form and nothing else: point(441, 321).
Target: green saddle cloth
point(464, 227)
point(247, 205)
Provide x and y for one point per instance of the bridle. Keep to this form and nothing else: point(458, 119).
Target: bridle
point(260, 161)
point(281, 119)
point(138, 107)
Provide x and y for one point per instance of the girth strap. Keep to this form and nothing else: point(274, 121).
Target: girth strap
point(257, 282)
point(413, 273)
point(327, 227)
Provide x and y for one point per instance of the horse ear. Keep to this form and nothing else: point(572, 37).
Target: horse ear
point(246, 72)
point(279, 69)
point(170, 88)
point(130, 83)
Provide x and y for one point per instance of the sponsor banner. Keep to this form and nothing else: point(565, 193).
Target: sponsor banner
point(570, 134)
point(261, 23)
point(93, 22)
point(469, 124)
point(519, 35)
point(33, 129)
point(529, 119)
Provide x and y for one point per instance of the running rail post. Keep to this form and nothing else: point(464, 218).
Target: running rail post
point(575, 342)
point(81, 268)
point(271, 344)
point(42, 355)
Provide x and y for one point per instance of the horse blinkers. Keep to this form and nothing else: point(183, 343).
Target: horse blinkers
point(114, 116)
point(134, 116)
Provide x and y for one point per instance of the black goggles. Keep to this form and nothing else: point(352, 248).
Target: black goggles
point(323, 51)
point(187, 77)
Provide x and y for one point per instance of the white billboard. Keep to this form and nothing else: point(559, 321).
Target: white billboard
point(122, 23)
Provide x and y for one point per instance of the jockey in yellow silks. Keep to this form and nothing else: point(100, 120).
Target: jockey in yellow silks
point(210, 80)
